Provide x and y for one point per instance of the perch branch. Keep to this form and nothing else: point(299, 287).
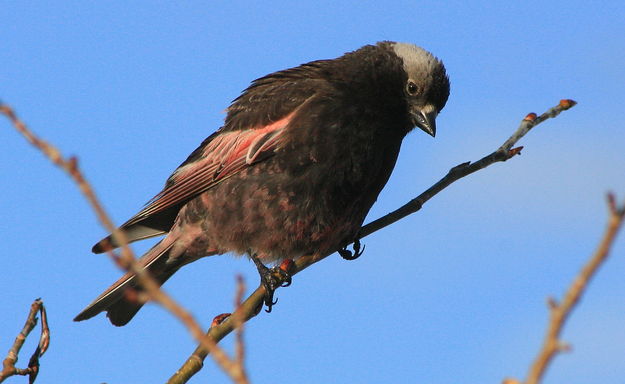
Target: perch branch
point(250, 307)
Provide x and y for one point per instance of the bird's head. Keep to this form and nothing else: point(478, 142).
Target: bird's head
point(427, 86)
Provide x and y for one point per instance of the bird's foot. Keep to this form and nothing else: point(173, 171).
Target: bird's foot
point(273, 278)
point(349, 255)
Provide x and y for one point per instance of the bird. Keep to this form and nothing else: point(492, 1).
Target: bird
point(299, 161)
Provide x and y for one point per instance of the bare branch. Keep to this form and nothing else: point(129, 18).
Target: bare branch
point(503, 153)
point(560, 312)
point(238, 323)
point(250, 307)
point(127, 260)
point(8, 365)
point(70, 166)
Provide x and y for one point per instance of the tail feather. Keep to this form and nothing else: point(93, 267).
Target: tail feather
point(114, 300)
point(123, 310)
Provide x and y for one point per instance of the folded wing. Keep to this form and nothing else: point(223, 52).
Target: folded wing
point(222, 155)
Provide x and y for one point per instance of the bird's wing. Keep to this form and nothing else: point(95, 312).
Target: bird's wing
point(253, 130)
point(222, 155)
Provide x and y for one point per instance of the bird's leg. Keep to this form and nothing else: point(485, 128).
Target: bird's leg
point(349, 255)
point(272, 278)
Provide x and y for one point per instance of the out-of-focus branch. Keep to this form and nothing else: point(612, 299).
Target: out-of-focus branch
point(126, 260)
point(560, 312)
point(238, 323)
point(70, 166)
point(8, 365)
point(250, 307)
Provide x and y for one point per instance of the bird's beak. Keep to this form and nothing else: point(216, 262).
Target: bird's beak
point(426, 120)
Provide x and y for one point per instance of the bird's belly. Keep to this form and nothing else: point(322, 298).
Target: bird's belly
point(275, 216)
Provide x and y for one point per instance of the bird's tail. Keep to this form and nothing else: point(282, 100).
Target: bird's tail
point(115, 300)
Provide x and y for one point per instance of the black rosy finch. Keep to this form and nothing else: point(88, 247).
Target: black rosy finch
point(298, 163)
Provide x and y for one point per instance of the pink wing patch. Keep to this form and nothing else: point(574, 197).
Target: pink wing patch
point(224, 156)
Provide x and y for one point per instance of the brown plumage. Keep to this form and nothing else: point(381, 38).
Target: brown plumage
point(300, 160)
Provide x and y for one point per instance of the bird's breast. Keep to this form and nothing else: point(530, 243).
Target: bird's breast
point(310, 197)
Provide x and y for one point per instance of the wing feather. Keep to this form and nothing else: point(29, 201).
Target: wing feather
point(225, 155)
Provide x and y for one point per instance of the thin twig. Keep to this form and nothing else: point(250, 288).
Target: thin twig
point(238, 323)
point(249, 308)
point(560, 312)
point(127, 259)
point(8, 365)
point(70, 166)
point(503, 153)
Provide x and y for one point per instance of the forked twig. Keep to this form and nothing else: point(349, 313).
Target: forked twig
point(8, 365)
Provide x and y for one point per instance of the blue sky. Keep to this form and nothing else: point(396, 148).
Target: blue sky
point(455, 293)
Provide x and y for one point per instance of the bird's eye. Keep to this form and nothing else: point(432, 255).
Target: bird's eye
point(412, 88)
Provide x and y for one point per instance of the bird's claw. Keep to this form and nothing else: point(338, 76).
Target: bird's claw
point(349, 255)
point(271, 279)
